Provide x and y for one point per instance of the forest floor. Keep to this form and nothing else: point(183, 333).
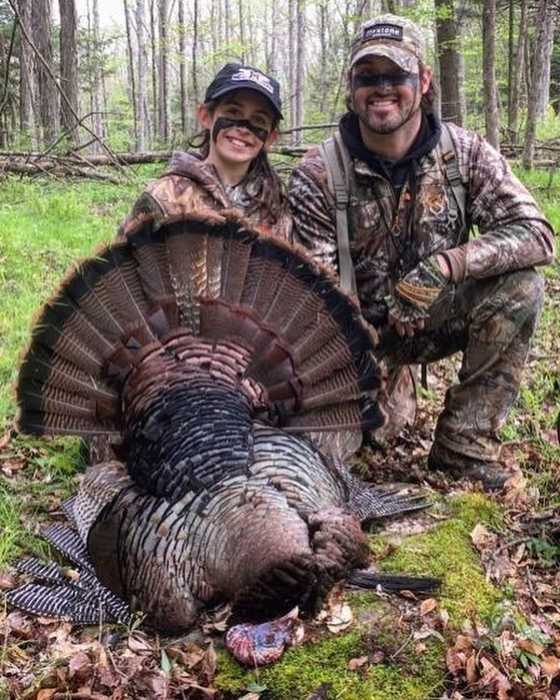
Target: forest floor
point(493, 631)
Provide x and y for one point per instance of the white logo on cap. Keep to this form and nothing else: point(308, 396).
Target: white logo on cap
point(383, 31)
point(253, 76)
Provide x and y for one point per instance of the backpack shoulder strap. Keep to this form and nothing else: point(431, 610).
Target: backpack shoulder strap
point(338, 165)
point(453, 174)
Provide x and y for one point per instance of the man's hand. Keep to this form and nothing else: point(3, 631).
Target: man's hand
point(413, 296)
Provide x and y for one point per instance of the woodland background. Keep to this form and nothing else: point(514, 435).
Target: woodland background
point(71, 84)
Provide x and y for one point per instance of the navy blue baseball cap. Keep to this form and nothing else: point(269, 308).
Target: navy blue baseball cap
point(235, 76)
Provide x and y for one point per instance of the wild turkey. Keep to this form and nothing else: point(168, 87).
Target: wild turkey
point(221, 360)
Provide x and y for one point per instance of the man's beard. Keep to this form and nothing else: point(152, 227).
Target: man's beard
point(390, 128)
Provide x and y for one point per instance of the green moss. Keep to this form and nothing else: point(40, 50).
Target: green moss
point(304, 669)
point(447, 552)
point(473, 508)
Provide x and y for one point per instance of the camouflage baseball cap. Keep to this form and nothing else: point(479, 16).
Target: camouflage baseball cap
point(393, 37)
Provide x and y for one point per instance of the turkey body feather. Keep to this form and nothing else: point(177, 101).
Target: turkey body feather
point(221, 361)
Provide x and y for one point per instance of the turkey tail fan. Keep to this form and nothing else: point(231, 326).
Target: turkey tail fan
point(211, 295)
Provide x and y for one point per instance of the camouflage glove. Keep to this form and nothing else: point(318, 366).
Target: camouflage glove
point(416, 292)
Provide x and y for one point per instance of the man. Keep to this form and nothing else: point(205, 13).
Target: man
point(415, 189)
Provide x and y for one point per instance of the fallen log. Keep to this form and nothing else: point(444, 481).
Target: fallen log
point(54, 168)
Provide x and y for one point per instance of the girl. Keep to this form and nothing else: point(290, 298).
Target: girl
point(240, 115)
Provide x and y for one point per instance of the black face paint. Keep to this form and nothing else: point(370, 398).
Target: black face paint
point(228, 122)
point(384, 80)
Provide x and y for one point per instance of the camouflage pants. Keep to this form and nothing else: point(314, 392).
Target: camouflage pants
point(491, 321)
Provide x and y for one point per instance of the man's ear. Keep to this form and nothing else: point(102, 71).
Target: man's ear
point(271, 139)
point(425, 79)
point(204, 117)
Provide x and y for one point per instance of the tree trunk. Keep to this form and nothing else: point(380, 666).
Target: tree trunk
point(273, 63)
point(323, 21)
point(292, 66)
point(141, 111)
point(243, 50)
point(97, 86)
point(543, 17)
point(131, 74)
point(47, 94)
point(194, 61)
point(182, 68)
point(163, 72)
point(450, 63)
point(544, 96)
point(27, 73)
point(153, 44)
point(299, 69)
point(517, 74)
point(489, 72)
point(227, 22)
point(69, 67)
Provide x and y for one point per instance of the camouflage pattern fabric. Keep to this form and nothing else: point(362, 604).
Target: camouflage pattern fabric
point(490, 316)
point(191, 185)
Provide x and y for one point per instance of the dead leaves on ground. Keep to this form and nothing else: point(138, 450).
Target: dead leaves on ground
point(47, 660)
point(504, 665)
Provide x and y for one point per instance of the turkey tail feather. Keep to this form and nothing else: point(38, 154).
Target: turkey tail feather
point(390, 582)
point(306, 356)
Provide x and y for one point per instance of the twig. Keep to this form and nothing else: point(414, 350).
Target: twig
point(401, 648)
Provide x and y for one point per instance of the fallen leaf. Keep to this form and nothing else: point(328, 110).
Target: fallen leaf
point(470, 669)
point(46, 694)
point(530, 646)
point(463, 643)
point(18, 624)
point(358, 662)
point(80, 666)
point(339, 617)
point(455, 661)
point(494, 679)
point(7, 580)
point(428, 606)
point(209, 663)
point(139, 644)
point(377, 657)
point(5, 439)
point(551, 666)
point(481, 537)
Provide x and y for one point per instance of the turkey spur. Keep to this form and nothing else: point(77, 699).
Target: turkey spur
point(235, 377)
